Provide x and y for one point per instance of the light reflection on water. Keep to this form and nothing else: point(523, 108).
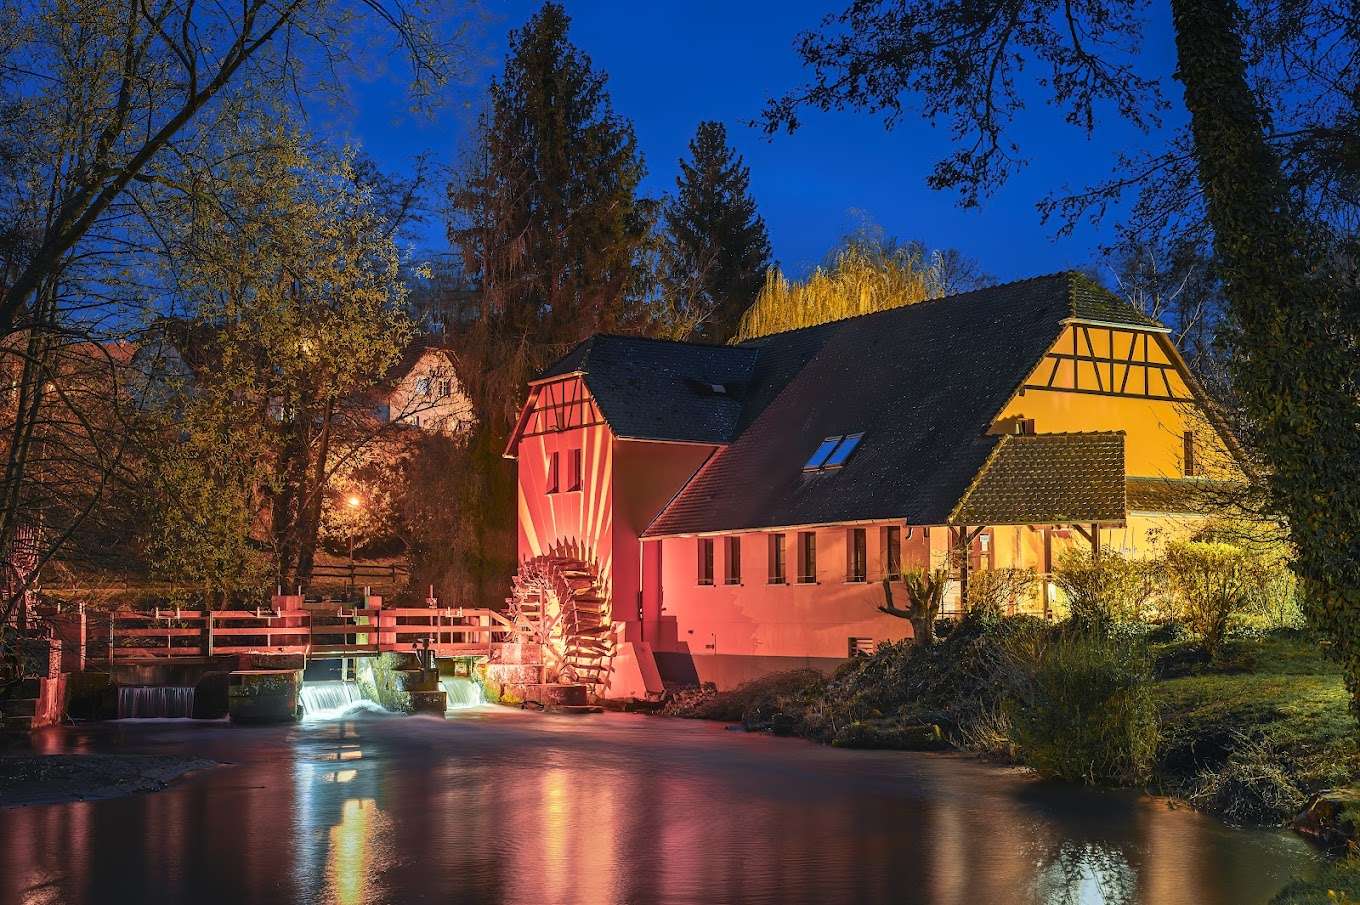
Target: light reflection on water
point(498, 806)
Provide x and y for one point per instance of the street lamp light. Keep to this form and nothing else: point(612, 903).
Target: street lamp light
point(354, 503)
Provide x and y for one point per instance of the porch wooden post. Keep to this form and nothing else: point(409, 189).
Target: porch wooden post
point(965, 557)
point(1095, 541)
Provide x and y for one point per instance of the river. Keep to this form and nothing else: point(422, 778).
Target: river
point(493, 805)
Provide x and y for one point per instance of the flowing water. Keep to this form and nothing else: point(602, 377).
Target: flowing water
point(332, 700)
point(461, 692)
point(494, 805)
point(147, 702)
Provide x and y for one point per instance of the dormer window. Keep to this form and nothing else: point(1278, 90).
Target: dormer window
point(833, 452)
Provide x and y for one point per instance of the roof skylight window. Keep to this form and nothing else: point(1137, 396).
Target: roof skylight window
point(843, 451)
point(824, 451)
point(833, 452)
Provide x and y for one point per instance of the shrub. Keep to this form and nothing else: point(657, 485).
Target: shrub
point(1251, 789)
point(996, 591)
point(1105, 589)
point(1086, 713)
point(1212, 583)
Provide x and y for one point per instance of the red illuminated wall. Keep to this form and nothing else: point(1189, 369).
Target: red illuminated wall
point(624, 484)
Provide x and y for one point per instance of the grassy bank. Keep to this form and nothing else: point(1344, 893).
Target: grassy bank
point(1248, 737)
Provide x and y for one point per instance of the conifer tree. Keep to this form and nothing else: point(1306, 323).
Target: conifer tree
point(551, 234)
point(718, 248)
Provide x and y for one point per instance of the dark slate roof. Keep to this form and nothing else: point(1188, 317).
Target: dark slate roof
point(1093, 302)
point(923, 382)
point(1186, 496)
point(659, 390)
point(1048, 479)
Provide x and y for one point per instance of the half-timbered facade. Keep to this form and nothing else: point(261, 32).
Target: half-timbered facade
point(742, 504)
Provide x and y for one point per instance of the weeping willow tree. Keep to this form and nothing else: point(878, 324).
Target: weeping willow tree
point(858, 280)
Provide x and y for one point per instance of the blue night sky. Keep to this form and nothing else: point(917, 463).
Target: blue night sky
point(672, 64)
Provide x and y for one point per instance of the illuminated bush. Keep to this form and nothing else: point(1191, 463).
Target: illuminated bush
point(1211, 583)
point(1086, 712)
point(1107, 589)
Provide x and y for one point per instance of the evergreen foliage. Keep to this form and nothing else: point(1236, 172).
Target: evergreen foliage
point(551, 233)
point(719, 249)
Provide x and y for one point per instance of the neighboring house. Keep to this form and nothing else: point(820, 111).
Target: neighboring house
point(423, 390)
point(741, 504)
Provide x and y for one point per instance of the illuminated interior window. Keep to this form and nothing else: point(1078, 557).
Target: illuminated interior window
point(824, 451)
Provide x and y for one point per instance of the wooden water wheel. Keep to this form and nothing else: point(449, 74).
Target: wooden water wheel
point(559, 601)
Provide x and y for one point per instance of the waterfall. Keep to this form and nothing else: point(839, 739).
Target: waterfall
point(141, 702)
point(330, 700)
point(461, 692)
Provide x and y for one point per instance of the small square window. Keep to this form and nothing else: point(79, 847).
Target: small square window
point(732, 564)
point(705, 560)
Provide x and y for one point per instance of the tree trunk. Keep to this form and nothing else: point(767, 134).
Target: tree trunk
point(309, 523)
point(1295, 362)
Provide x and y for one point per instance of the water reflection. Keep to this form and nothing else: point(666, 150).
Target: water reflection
point(497, 806)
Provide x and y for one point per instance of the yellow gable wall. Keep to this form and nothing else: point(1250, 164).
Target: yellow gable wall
point(1081, 400)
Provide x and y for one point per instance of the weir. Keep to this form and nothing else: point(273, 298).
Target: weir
point(327, 700)
point(141, 702)
point(461, 692)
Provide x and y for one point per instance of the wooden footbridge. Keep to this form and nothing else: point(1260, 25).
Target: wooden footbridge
point(289, 626)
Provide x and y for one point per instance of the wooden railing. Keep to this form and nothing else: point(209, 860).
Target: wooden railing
point(311, 630)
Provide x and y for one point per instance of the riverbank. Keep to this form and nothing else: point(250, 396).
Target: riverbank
point(28, 779)
point(1249, 738)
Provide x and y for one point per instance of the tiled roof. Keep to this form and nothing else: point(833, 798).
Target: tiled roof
point(1093, 302)
point(658, 390)
point(1186, 496)
point(922, 382)
point(1047, 479)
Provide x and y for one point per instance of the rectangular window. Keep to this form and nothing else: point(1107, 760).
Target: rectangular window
point(856, 556)
point(705, 560)
point(777, 573)
point(1188, 442)
point(861, 647)
point(843, 451)
point(807, 557)
point(732, 554)
point(554, 472)
point(445, 389)
point(822, 452)
point(1025, 427)
point(892, 552)
point(574, 469)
